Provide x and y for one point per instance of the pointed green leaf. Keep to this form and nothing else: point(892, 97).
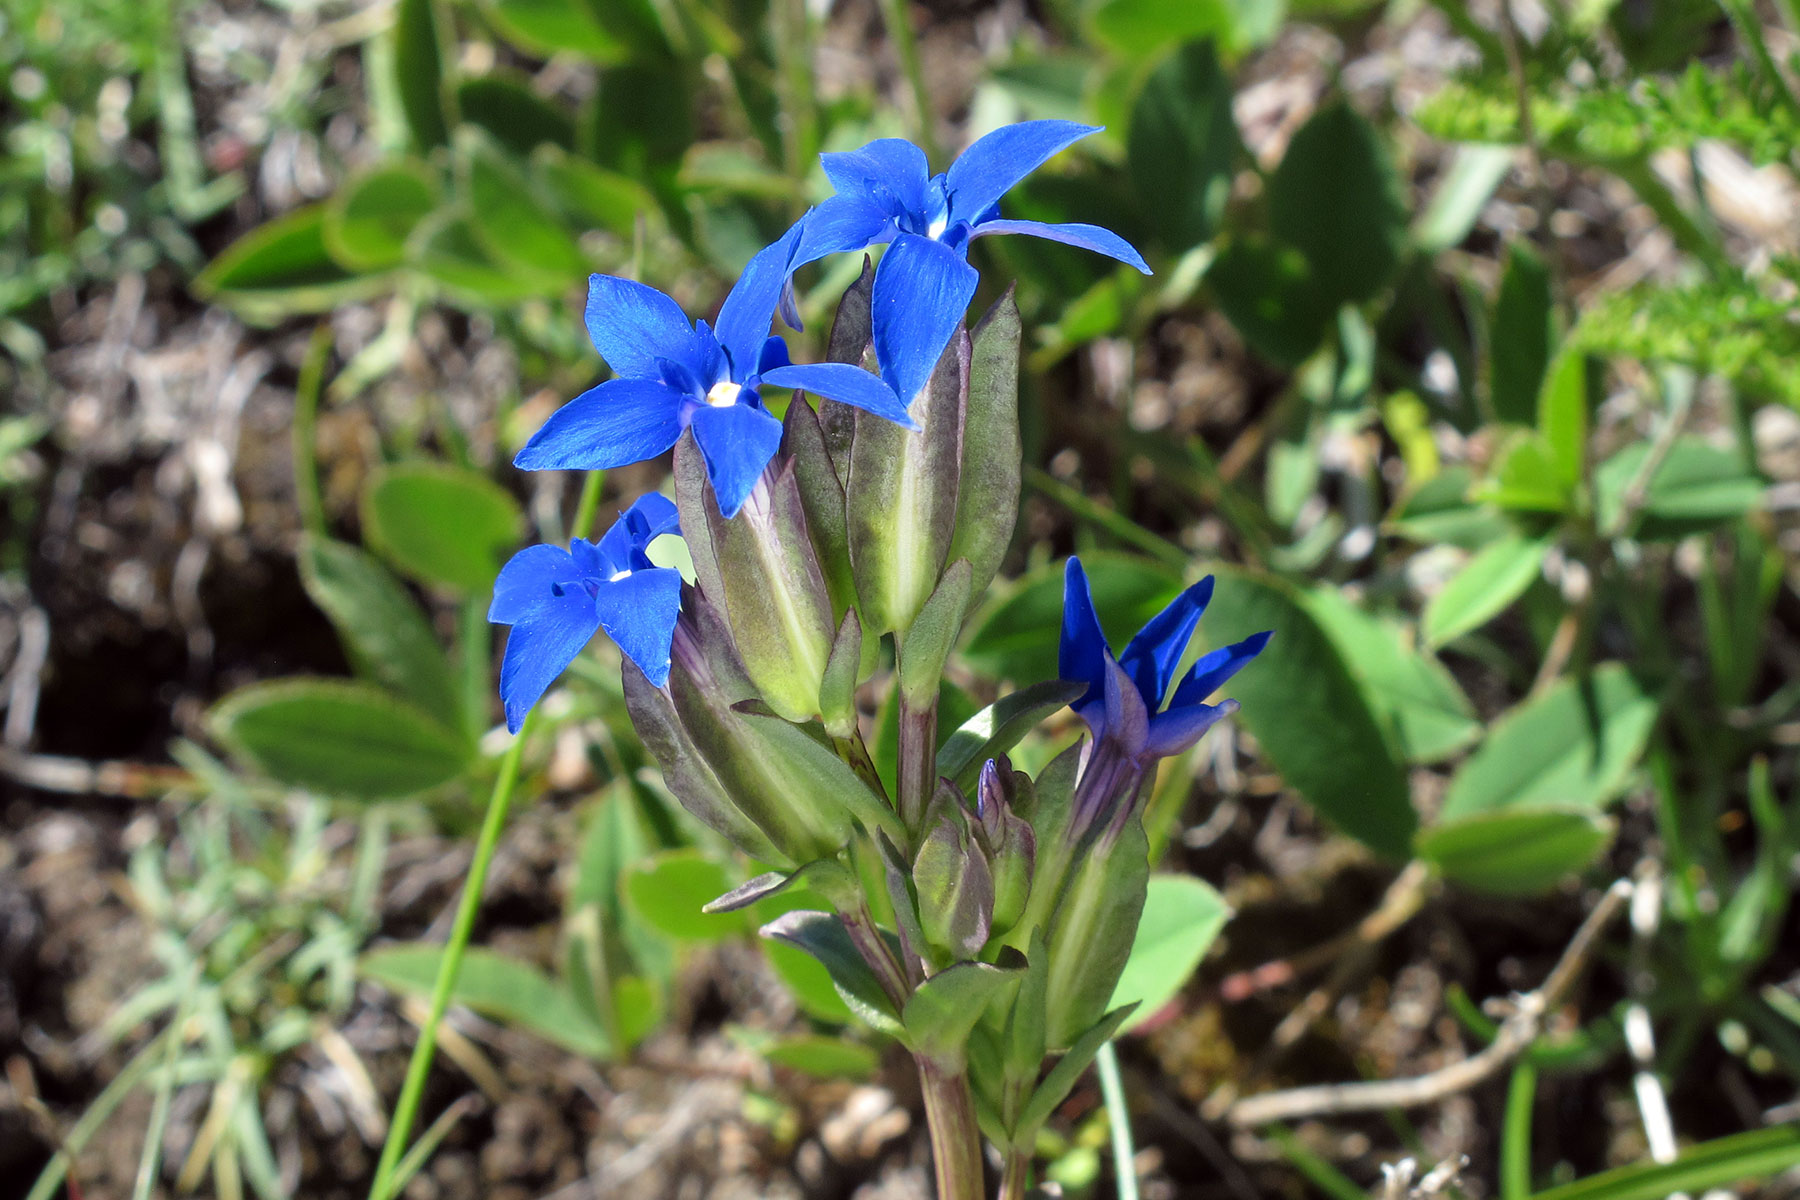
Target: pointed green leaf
point(511, 223)
point(513, 992)
point(1515, 851)
point(1484, 588)
point(369, 219)
point(281, 268)
point(1063, 1076)
point(999, 727)
point(1337, 199)
point(1520, 334)
point(384, 633)
point(513, 115)
point(823, 936)
point(1182, 145)
point(940, 1014)
point(929, 639)
point(418, 58)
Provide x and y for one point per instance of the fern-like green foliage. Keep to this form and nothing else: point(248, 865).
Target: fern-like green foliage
point(1744, 329)
point(1608, 123)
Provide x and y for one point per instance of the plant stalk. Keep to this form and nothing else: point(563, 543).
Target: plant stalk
point(412, 1090)
point(918, 762)
point(955, 1137)
point(1016, 1179)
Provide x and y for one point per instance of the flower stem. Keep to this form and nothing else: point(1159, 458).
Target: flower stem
point(918, 762)
point(412, 1090)
point(906, 49)
point(955, 1137)
point(1016, 1179)
point(1118, 1117)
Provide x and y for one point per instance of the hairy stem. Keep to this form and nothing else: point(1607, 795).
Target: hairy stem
point(955, 1138)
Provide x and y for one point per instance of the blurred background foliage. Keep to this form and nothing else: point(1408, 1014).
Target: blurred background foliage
point(1468, 367)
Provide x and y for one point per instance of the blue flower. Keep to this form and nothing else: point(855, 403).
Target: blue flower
point(1125, 699)
point(673, 374)
point(556, 599)
point(887, 194)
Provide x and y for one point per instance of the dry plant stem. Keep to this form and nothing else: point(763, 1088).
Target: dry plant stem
point(955, 1137)
point(1518, 1032)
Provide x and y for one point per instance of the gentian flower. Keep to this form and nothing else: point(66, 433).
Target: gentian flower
point(1124, 705)
point(887, 194)
point(556, 599)
point(673, 374)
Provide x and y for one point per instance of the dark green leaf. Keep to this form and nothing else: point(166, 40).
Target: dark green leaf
point(385, 634)
point(1573, 746)
point(440, 523)
point(549, 26)
point(446, 249)
point(1759, 1155)
point(1183, 142)
point(1337, 199)
point(1440, 510)
point(510, 222)
point(419, 41)
point(513, 992)
point(1517, 851)
point(824, 1057)
point(281, 268)
point(368, 221)
point(822, 935)
point(1271, 297)
point(1309, 714)
point(1017, 638)
point(338, 738)
point(1519, 337)
point(941, 1013)
point(513, 115)
point(1696, 487)
point(999, 727)
point(1063, 1076)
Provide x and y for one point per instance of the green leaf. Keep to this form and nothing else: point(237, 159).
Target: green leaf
point(929, 639)
point(1573, 746)
point(1440, 510)
point(1269, 294)
point(1519, 337)
point(1516, 851)
point(1528, 477)
point(338, 738)
point(1464, 189)
point(512, 225)
point(1182, 916)
point(1016, 639)
point(999, 727)
point(1309, 714)
point(670, 890)
point(548, 26)
point(369, 219)
point(822, 935)
point(441, 524)
point(614, 835)
point(510, 991)
point(1063, 1076)
point(1183, 142)
point(1758, 1155)
point(1568, 393)
point(1696, 487)
point(809, 983)
point(987, 497)
point(385, 635)
point(1410, 690)
point(446, 248)
point(940, 1014)
point(419, 40)
point(1485, 586)
point(591, 195)
point(824, 1057)
point(1337, 199)
point(513, 115)
point(280, 268)
point(1140, 28)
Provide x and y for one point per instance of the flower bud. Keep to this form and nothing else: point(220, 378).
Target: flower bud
point(954, 883)
point(1006, 838)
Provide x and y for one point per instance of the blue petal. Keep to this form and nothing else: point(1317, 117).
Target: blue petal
point(885, 167)
point(843, 223)
point(1176, 730)
point(622, 421)
point(1154, 653)
point(1082, 655)
point(847, 383)
point(1088, 237)
point(922, 290)
point(623, 544)
point(638, 612)
point(1211, 672)
point(633, 325)
point(543, 642)
point(988, 169)
point(743, 324)
point(737, 442)
point(527, 578)
point(774, 354)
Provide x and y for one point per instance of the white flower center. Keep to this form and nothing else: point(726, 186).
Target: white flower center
point(724, 394)
point(618, 575)
point(936, 229)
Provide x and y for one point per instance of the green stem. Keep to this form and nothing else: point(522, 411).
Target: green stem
point(1515, 1134)
point(1015, 1181)
point(413, 1089)
point(955, 1137)
point(474, 644)
point(917, 762)
point(306, 412)
point(588, 505)
point(906, 49)
point(1118, 1118)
